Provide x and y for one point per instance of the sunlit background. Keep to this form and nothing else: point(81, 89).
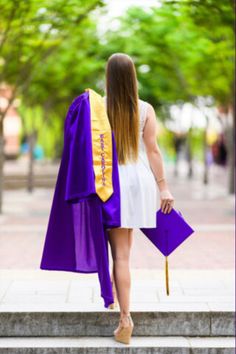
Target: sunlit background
point(183, 51)
point(50, 51)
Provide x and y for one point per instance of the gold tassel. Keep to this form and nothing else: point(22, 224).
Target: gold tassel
point(167, 276)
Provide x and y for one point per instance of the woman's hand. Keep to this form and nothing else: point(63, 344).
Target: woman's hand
point(167, 201)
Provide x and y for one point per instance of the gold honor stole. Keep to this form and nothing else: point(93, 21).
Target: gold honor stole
point(101, 145)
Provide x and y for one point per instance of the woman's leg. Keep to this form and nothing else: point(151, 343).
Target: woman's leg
point(120, 240)
point(130, 237)
point(130, 245)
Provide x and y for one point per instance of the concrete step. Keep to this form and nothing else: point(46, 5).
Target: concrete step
point(63, 322)
point(102, 345)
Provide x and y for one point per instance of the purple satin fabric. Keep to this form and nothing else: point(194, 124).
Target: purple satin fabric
point(171, 231)
point(76, 239)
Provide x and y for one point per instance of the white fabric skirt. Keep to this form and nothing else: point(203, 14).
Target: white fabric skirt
point(138, 194)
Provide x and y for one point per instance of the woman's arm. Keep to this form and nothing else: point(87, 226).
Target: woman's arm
point(155, 159)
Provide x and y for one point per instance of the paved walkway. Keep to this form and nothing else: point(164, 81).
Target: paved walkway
point(201, 271)
point(190, 290)
point(208, 209)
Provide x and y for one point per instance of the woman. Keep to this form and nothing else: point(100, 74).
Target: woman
point(141, 171)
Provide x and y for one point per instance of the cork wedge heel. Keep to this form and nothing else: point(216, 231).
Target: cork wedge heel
point(123, 333)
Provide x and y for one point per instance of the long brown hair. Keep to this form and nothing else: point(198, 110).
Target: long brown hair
point(122, 105)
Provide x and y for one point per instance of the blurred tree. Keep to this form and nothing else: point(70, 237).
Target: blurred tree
point(31, 33)
point(182, 50)
point(215, 23)
point(49, 51)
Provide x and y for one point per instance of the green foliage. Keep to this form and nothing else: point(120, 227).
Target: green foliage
point(188, 47)
point(165, 142)
point(50, 51)
point(196, 144)
point(48, 54)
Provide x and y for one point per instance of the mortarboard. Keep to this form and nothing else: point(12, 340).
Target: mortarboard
point(170, 232)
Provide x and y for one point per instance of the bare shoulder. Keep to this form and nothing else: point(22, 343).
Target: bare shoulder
point(150, 110)
point(150, 115)
point(150, 128)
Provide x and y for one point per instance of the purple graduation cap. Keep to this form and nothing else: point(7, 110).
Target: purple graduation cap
point(171, 231)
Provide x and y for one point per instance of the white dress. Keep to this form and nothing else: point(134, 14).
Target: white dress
point(138, 187)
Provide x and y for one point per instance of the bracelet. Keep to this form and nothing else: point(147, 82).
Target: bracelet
point(160, 179)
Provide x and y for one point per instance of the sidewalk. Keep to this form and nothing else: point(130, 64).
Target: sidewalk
point(54, 311)
point(57, 312)
point(208, 209)
point(190, 290)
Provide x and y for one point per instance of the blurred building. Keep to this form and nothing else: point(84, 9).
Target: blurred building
point(11, 123)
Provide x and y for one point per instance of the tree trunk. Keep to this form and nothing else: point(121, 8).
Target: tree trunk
point(205, 152)
point(232, 164)
point(31, 141)
point(189, 154)
point(230, 140)
point(1, 163)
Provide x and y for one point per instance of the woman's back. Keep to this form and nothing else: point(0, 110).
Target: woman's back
point(143, 105)
point(138, 188)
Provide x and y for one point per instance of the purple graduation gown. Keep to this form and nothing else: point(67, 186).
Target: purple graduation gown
point(76, 238)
